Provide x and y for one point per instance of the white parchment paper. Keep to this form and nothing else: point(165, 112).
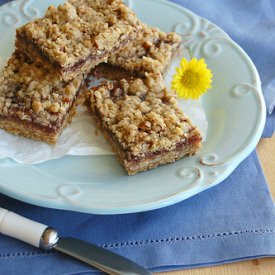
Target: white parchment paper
point(81, 137)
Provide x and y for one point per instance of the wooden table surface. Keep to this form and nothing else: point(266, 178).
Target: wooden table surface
point(266, 152)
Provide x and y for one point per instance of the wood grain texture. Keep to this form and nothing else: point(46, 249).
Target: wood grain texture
point(266, 153)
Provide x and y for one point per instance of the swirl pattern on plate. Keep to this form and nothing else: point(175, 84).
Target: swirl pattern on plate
point(18, 12)
point(200, 36)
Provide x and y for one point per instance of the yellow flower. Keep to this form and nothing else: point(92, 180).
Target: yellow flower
point(192, 79)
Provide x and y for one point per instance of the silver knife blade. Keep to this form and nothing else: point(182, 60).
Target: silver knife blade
point(98, 257)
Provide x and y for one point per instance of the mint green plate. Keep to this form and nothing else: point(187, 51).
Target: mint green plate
point(235, 111)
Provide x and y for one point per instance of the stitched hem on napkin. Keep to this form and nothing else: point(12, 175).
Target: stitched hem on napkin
point(180, 252)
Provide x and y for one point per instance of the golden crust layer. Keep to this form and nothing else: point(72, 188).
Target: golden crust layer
point(34, 131)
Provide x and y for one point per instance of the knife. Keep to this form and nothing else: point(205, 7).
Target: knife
point(46, 238)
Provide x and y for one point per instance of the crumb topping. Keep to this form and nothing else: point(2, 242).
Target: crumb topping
point(78, 30)
point(151, 52)
point(142, 115)
point(29, 92)
point(116, 10)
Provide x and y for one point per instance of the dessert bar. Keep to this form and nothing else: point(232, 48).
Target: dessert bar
point(34, 103)
point(71, 40)
point(152, 52)
point(142, 122)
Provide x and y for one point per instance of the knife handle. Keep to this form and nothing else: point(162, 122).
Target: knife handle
point(23, 229)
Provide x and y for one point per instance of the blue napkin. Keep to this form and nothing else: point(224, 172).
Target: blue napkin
point(231, 222)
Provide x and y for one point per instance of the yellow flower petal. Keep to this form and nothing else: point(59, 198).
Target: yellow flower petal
point(192, 79)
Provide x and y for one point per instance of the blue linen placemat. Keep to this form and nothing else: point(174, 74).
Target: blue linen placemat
point(231, 222)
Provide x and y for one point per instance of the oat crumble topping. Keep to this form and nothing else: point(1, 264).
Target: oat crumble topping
point(31, 93)
point(116, 10)
point(142, 114)
point(70, 34)
point(151, 52)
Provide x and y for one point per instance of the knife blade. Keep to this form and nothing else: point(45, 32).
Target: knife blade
point(46, 238)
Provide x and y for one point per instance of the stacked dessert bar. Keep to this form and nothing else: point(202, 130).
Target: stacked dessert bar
point(72, 39)
point(151, 52)
point(43, 80)
point(40, 85)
